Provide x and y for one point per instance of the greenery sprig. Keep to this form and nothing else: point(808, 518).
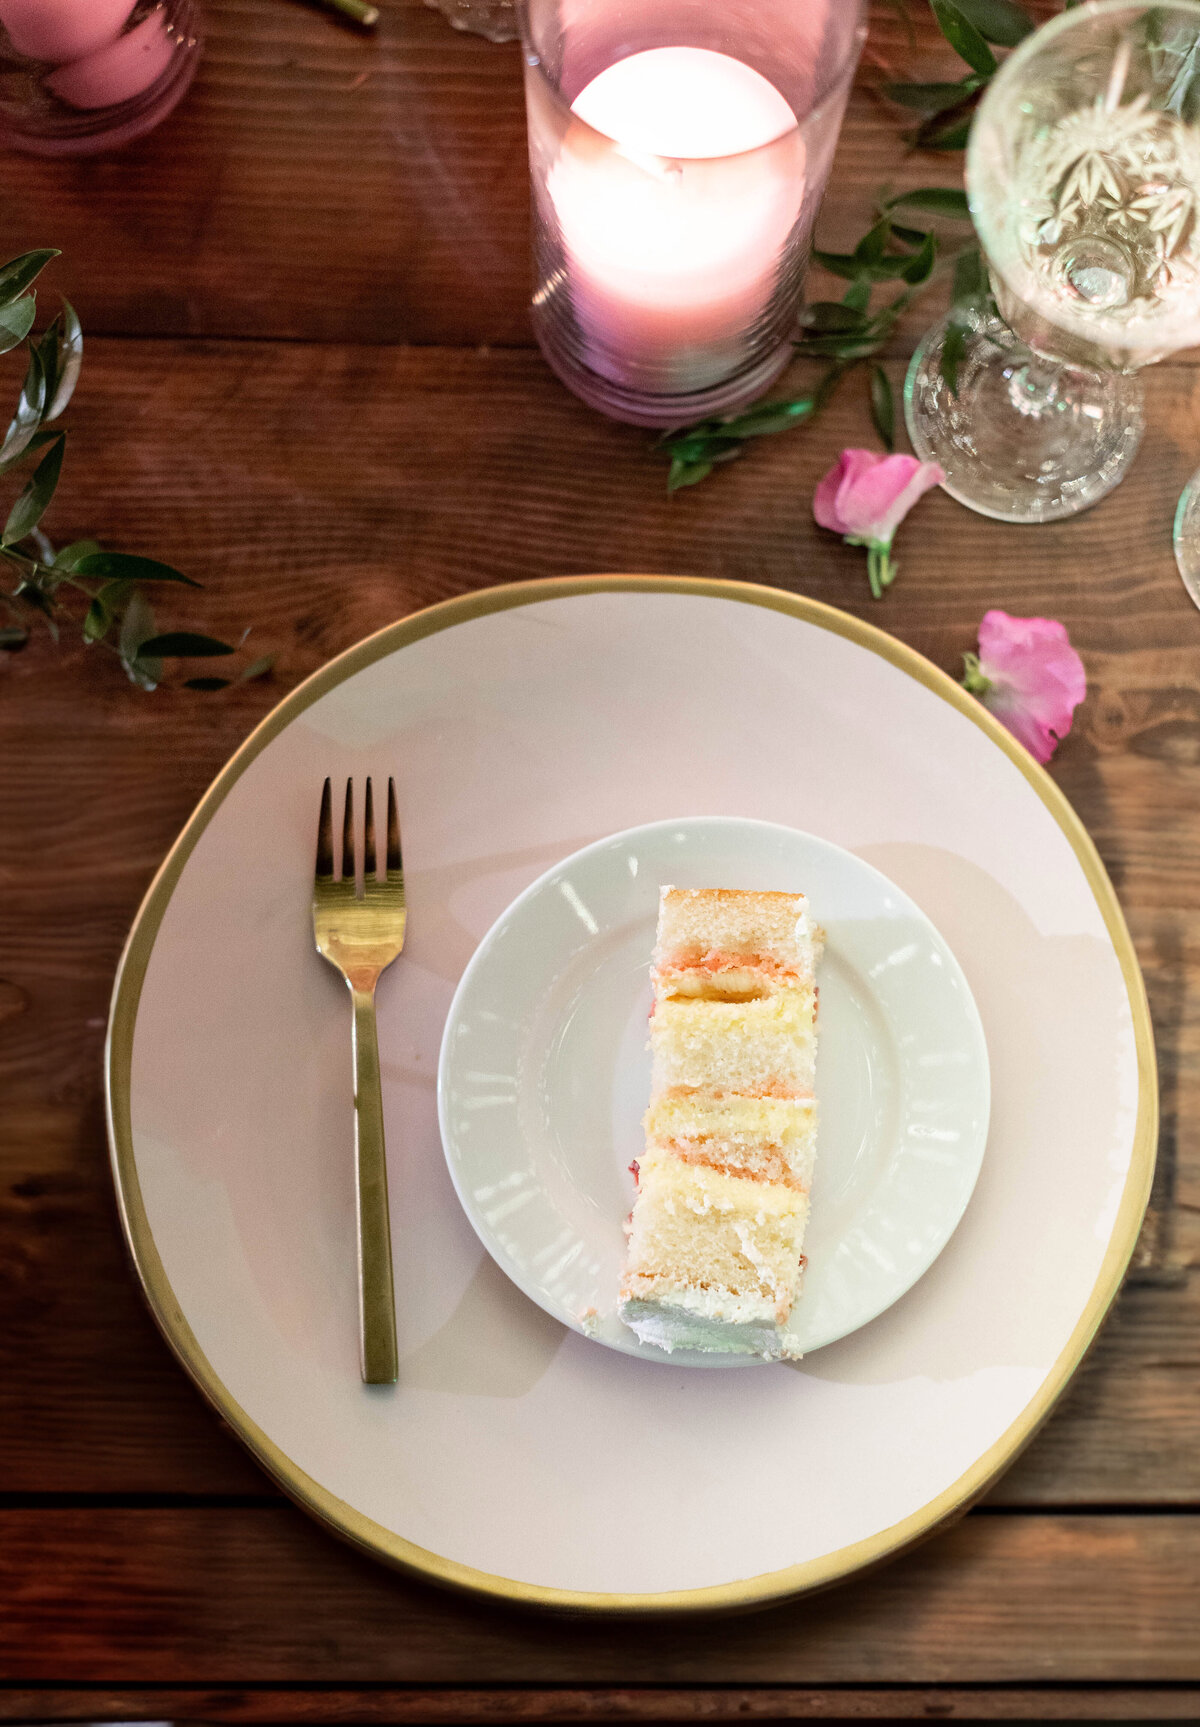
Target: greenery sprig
point(845, 332)
point(972, 28)
point(852, 330)
point(56, 587)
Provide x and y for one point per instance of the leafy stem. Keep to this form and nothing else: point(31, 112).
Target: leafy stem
point(844, 333)
point(118, 615)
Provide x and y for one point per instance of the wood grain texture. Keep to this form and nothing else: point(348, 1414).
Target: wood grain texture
point(321, 492)
point(319, 198)
point(215, 1596)
point(553, 1704)
point(322, 183)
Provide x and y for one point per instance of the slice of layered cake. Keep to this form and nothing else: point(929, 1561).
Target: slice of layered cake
point(714, 1256)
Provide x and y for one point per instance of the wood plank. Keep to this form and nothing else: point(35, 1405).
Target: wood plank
point(401, 216)
point(204, 1597)
point(599, 1703)
point(321, 492)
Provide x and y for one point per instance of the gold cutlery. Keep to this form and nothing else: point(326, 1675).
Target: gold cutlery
point(360, 937)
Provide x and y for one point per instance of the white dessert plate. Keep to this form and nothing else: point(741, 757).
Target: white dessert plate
point(545, 1075)
point(514, 1457)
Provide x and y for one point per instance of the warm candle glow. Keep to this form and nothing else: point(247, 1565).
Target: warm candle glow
point(684, 102)
point(675, 236)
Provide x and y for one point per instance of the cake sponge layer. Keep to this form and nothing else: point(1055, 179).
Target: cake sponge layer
point(718, 927)
point(765, 1046)
point(767, 1138)
point(718, 1246)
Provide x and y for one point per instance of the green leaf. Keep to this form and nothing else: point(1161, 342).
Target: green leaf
point(97, 621)
point(696, 450)
point(701, 445)
point(182, 644)
point(842, 348)
point(920, 268)
point(1000, 21)
point(13, 638)
point(105, 609)
point(883, 407)
point(38, 442)
point(938, 200)
point(47, 351)
point(946, 132)
point(70, 359)
point(858, 295)
point(885, 269)
point(137, 626)
point(829, 316)
point(30, 406)
point(257, 668)
point(16, 321)
point(963, 37)
point(873, 245)
point(772, 417)
point(29, 508)
point(841, 264)
point(970, 277)
point(930, 98)
point(20, 273)
point(954, 346)
point(687, 473)
point(116, 594)
point(111, 566)
point(68, 557)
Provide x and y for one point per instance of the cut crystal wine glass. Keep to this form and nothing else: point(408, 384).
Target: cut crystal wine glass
point(1083, 178)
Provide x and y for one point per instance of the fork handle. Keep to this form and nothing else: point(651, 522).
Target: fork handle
point(376, 1299)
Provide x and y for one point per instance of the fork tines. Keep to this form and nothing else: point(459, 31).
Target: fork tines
point(325, 861)
point(395, 863)
point(325, 835)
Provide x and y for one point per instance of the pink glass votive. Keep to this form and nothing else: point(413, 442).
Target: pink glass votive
point(88, 75)
point(678, 156)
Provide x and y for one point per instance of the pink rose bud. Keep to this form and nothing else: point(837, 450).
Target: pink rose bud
point(865, 497)
point(1028, 674)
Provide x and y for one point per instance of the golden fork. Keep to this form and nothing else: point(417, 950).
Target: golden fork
point(360, 938)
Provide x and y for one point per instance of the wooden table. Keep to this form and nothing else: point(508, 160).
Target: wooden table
point(310, 382)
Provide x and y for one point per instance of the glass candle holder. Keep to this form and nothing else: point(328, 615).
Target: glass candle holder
point(678, 151)
point(78, 76)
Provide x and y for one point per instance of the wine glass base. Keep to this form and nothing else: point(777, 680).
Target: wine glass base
point(1187, 538)
point(1023, 439)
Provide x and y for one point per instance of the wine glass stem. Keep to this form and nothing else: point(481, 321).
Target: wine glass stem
point(1034, 386)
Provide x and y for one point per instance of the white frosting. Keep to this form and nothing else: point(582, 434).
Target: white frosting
point(671, 1328)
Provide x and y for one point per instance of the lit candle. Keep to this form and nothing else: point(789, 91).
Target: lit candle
point(61, 30)
point(674, 238)
point(121, 69)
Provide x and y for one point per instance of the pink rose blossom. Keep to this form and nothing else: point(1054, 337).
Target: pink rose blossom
point(864, 497)
point(1028, 674)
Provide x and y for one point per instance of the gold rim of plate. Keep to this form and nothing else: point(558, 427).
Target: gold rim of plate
point(362, 1531)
